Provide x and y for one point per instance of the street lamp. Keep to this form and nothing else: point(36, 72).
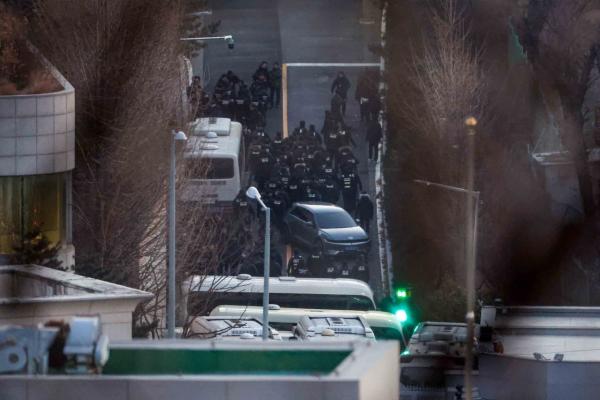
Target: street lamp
point(472, 216)
point(253, 193)
point(175, 137)
point(226, 38)
point(471, 253)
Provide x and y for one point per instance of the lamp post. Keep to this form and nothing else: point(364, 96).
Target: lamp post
point(175, 137)
point(471, 253)
point(226, 38)
point(472, 215)
point(253, 193)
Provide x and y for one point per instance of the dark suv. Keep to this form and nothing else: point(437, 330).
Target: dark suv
point(324, 228)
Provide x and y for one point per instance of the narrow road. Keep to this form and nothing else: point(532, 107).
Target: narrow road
point(300, 31)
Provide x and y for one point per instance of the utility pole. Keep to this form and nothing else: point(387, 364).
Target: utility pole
point(471, 253)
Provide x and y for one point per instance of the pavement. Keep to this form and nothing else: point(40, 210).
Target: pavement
point(299, 31)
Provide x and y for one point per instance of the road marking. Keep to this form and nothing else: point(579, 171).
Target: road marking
point(333, 65)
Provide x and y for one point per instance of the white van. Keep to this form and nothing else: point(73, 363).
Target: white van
point(214, 161)
point(203, 293)
point(385, 326)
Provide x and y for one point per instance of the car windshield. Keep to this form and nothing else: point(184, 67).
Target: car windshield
point(334, 219)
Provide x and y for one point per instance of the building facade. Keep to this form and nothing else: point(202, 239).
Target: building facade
point(37, 156)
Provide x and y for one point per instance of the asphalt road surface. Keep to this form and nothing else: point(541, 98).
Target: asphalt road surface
point(300, 31)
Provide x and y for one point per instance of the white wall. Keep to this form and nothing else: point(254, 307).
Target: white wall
point(37, 133)
point(115, 315)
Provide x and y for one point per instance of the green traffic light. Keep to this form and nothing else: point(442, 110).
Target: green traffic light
point(401, 293)
point(401, 314)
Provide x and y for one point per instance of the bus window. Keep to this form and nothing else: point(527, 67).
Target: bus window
point(322, 301)
point(220, 168)
point(210, 168)
point(201, 303)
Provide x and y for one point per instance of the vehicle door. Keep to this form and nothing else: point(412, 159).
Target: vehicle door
point(309, 229)
point(302, 225)
point(295, 223)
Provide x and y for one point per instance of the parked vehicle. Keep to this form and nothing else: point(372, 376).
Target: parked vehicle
point(324, 228)
point(214, 161)
point(202, 294)
point(385, 326)
point(332, 327)
point(229, 329)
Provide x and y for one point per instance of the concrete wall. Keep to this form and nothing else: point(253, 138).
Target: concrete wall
point(115, 315)
point(504, 377)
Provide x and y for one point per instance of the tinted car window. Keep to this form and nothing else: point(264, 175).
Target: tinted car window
point(296, 212)
point(302, 214)
point(334, 219)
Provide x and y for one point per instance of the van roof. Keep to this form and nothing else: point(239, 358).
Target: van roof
point(375, 319)
point(201, 126)
point(283, 284)
point(221, 145)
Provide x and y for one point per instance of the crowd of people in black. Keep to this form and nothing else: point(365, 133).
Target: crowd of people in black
point(310, 165)
point(233, 98)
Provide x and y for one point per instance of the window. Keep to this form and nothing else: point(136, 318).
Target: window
point(334, 219)
point(201, 303)
point(387, 333)
point(301, 214)
point(210, 168)
point(31, 202)
point(220, 168)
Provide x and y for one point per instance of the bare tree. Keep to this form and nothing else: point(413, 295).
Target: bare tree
point(437, 86)
point(124, 60)
point(561, 39)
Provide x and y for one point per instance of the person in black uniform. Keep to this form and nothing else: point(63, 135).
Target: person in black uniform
point(337, 107)
point(241, 207)
point(275, 80)
point(301, 130)
point(365, 210)
point(262, 70)
point(340, 86)
point(330, 191)
point(374, 135)
point(314, 136)
point(297, 265)
point(351, 184)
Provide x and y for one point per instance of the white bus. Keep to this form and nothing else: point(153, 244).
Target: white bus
point(202, 294)
point(386, 326)
point(214, 157)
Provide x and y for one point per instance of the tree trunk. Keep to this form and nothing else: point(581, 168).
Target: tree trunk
point(572, 134)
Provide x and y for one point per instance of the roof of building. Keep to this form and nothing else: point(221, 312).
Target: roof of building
point(21, 284)
point(573, 332)
point(282, 284)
